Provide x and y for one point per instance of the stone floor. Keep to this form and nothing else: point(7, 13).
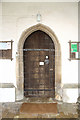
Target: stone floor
point(65, 110)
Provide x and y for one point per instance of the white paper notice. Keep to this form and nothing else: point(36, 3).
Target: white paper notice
point(5, 45)
point(41, 63)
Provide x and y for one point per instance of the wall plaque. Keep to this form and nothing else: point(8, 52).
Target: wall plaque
point(74, 50)
point(6, 49)
point(73, 47)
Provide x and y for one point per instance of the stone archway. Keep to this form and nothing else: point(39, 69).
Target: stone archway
point(19, 60)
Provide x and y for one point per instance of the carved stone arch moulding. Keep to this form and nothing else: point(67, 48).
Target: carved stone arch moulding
point(19, 60)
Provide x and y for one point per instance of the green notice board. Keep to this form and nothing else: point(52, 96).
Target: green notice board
point(73, 47)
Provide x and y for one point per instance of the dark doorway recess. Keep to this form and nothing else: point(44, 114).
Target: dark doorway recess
point(39, 65)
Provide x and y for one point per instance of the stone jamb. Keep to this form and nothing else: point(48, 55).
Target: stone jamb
point(19, 60)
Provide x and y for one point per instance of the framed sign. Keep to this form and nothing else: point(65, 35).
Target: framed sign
point(73, 47)
point(74, 50)
point(6, 49)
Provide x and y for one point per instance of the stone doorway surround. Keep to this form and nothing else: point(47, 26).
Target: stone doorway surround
point(19, 61)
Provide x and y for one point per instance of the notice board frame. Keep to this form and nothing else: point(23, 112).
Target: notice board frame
point(72, 55)
point(6, 53)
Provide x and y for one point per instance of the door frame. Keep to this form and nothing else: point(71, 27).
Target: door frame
point(19, 60)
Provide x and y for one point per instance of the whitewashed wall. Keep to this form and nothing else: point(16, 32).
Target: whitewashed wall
point(62, 18)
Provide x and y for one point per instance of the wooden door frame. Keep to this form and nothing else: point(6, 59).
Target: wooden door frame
point(19, 60)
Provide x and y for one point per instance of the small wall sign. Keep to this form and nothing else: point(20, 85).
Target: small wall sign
point(74, 50)
point(73, 47)
point(5, 45)
point(6, 49)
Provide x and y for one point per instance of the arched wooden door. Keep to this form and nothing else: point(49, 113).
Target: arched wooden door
point(39, 65)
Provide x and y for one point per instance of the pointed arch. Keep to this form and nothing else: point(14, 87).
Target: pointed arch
point(19, 59)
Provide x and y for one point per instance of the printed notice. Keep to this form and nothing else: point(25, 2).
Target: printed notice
point(5, 45)
point(73, 47)
point(41, 63)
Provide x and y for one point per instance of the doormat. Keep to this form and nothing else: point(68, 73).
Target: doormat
point(39, 108)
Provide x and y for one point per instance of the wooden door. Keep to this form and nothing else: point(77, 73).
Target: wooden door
point(39, 65)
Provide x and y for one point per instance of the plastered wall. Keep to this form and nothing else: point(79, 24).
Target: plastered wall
point(62, 18)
